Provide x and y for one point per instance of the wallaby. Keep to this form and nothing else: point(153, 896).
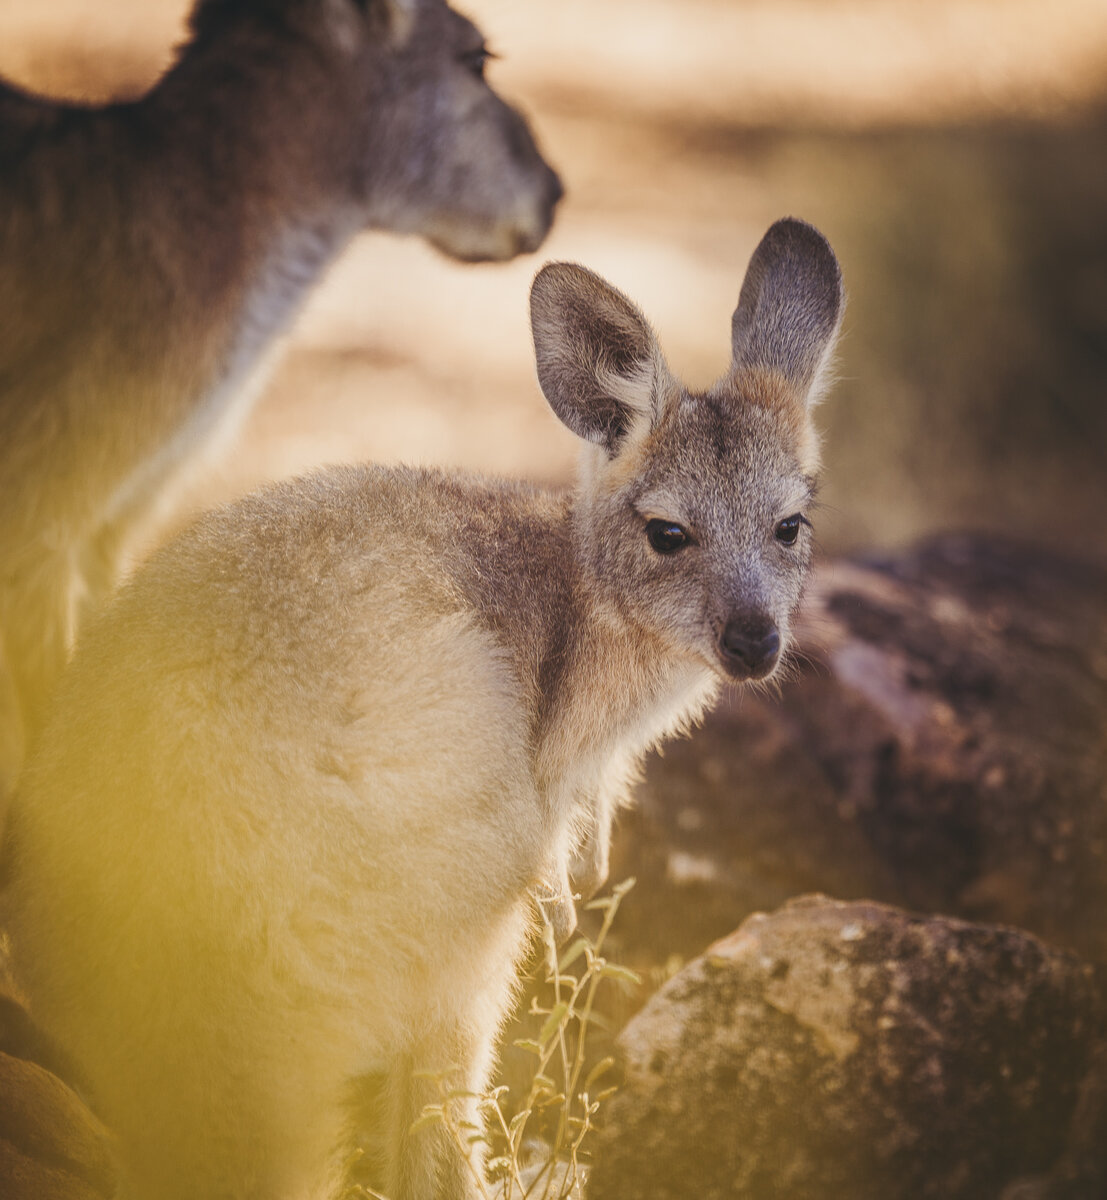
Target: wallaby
point(153, 250)
point(312, 773)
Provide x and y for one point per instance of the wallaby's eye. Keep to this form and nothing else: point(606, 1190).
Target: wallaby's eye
point(788, 530)
point(476, 59)
point(666, 537)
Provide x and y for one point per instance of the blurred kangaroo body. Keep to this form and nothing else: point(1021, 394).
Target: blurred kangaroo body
point(153, 251)
point(310, 774)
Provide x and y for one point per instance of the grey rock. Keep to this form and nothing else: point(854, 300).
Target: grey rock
point(853, 1050)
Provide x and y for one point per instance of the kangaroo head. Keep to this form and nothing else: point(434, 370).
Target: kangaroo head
point(398, 92)
point(692, 507)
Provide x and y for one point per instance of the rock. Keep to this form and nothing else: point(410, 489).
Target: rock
point(853, 1050)
point(940, 747)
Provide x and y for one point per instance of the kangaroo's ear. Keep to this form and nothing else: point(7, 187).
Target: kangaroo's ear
point(790, 307)
point(599, 364)
point(391, 19)
point(396, 15)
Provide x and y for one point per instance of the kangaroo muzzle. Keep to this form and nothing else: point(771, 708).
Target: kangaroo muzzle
point(749, 649)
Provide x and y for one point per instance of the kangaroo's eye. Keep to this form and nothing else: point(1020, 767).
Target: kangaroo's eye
point(666, 537)
point(788, 530)
point(476, 59)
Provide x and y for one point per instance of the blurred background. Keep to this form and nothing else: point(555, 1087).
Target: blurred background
point(954, 152)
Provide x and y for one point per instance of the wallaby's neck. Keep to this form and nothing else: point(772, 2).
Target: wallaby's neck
point(242, 153)
point(602, 682)
point(191, 224)
point(263, 122)
point(613, 686)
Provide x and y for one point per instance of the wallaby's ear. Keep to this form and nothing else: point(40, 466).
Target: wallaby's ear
point(599, 364)
point(790, 306)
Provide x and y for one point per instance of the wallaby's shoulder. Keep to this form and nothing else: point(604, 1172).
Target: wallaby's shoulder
point(399, 543)
point(375, 513)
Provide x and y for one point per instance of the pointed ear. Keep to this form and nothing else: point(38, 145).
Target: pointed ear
point(790, 307)
point(599, 364)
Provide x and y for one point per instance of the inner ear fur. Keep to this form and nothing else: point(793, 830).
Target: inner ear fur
point(790, 307)
point(599, 364)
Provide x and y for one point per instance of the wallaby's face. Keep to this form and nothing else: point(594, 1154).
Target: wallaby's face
point(703, 525)
point(425, 144)
point(462, 166)
point(693, 509)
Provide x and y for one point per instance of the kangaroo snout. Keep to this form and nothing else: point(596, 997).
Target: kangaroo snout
point(749, 648)
point(547, 189)
point(527, 229)
point(552, 193)
point(500, 238)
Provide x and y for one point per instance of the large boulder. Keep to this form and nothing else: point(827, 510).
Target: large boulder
point(853, 1050)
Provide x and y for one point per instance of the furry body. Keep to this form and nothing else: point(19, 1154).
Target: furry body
point(311, 773)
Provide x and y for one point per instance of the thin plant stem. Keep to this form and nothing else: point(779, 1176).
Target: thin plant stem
point(561, 1175)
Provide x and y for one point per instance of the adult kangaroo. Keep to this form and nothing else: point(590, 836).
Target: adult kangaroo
point(153, 249)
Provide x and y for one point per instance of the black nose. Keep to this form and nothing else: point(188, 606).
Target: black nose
point(750, 651)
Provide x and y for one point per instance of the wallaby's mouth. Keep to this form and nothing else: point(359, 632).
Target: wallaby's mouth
point(741, 674)
point(504, 242)
point(500, 240)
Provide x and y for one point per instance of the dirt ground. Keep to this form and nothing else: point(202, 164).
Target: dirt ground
point(954, 152)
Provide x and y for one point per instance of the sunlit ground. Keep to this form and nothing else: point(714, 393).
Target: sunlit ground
point(954, 152)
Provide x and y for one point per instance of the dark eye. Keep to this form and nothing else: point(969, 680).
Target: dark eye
point(788, 530)
point(475, 60)
point(666, 537)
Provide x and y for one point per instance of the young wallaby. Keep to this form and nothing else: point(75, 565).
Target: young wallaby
point(310, 774)
point(153, 250)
